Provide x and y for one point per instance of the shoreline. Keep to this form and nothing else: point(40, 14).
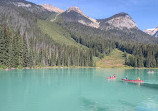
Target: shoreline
point(62, 67)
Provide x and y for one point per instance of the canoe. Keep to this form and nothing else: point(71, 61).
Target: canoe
point(6, 69)
point(111, 77)
point(133, 80)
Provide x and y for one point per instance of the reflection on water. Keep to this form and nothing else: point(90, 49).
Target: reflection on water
point(133, 83)
point(153, 86)
point(89, 105)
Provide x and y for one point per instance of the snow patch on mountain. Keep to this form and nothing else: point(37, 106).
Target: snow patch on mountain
point(20, 4)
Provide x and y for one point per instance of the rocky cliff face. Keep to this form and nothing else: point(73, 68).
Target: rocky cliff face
point(74, 14)
point(152, 32)
point(120, 21)
point(52, 8)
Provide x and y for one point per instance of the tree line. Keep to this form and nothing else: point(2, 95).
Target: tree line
point(16, 51)
point(141, 55)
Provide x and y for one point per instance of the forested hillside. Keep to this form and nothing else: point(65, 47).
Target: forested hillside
point(143, 48)
point(14, 52)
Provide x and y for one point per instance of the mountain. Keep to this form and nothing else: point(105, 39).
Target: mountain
point(120, 21)
point(74, 14)
point(52, 8)
point(152, 32)
point(118, 27)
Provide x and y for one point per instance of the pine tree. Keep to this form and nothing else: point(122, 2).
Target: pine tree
point(2, 46)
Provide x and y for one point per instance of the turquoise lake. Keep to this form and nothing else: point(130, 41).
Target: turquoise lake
point(77, 90)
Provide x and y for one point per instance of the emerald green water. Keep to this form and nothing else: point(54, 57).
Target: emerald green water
point(77, 90)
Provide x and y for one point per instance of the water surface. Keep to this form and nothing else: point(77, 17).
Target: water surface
point(77, 90)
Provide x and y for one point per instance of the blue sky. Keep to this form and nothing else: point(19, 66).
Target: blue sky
point(144, 12)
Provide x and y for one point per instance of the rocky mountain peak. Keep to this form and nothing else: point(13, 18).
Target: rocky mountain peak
point(52, 8)
point(122, 14)
point(76, 9)
point(121, 21)
point(74, 14)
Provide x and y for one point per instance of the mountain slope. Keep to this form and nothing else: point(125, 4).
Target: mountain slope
point(74, 14)
point(52, 8)
point(115, 60)
point(132, 35)
point(57, 33)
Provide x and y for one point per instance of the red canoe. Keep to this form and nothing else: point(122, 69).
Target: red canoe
point(133, 80)
point(7, 69)
point(111, 77)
